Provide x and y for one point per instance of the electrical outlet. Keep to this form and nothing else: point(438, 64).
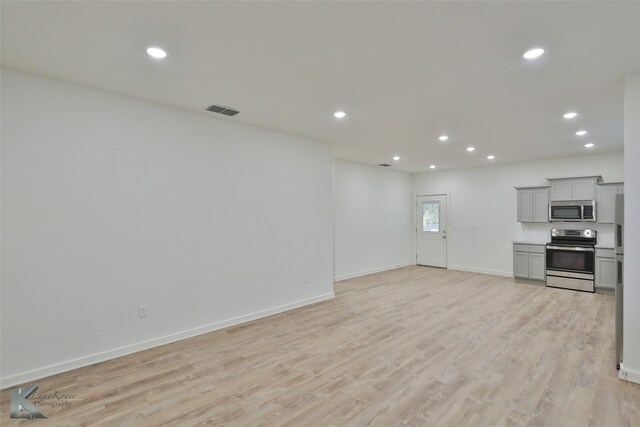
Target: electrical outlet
point(143, 311)
point(306, 279)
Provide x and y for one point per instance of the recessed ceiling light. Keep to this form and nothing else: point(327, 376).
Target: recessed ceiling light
point(581, 133)
point(396, 158)
point(491, 157)
point(589, 145)
point(432, 166)
point(570, 115)
point(533, 53)
point(156, 52)
point(339, 114)
point(443, 137)
point(470, 149)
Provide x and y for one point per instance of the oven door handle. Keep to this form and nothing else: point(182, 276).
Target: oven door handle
point(571, 248)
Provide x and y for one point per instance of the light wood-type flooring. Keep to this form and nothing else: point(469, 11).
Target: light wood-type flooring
point(414, 346)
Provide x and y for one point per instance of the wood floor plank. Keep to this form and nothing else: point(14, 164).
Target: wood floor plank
point(413, 346)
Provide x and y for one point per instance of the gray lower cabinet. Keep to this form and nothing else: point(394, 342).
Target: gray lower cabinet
point(529, 261)
point(536, 266)
point(533, 204)
point(521, 264)
point(605, 269)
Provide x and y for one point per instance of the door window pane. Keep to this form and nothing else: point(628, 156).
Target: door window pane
point(431, 216)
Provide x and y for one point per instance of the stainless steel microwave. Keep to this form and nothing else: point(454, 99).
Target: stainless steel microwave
point(573, 211)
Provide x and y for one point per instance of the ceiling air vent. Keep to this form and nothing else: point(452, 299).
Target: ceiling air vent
point(384, 165)
point(221, 109)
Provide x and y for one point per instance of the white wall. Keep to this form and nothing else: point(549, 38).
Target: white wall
point(631, 351)
point(482, 207)
point(372, 219)
point(110, 202)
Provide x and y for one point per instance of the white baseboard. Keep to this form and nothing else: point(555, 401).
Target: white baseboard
point(373, 270)
point(628, 374)
point(480, 270)
point(57, 368)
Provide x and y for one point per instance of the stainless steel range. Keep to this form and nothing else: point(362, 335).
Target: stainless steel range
point(571, 259)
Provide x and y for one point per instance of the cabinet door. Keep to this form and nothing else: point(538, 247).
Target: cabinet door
point(541, 205)
point(605, 273)
point(583, 189)
point(561, 190)
point(536, 266)
point(525, 205)
point(606, 204)
point(521, 264)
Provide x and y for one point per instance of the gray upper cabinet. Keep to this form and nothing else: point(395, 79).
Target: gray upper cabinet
point(525, 205)
point(533, 204)
point(574, 188)
point(561, 190)
point(584, 189)
point(606, 202)
point(540, 205)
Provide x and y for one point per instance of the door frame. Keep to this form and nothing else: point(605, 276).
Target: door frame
point(414, 222)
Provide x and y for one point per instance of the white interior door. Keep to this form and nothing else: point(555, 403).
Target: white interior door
point(431, 231)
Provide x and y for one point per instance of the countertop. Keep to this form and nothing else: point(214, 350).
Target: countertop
point(519, 242)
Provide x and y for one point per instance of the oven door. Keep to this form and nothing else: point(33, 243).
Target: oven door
point(571, 259)
point(565, 213)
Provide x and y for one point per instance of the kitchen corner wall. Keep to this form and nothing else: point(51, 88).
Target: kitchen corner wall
point(109, 203)
point(631, 352)
point(482, 207)
point(372, 219)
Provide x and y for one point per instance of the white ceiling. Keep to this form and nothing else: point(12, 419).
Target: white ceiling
point(404, 72)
